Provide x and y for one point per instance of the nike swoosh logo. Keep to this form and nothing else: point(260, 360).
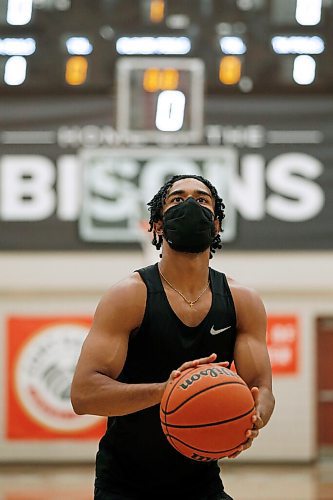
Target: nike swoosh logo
point(215, 332)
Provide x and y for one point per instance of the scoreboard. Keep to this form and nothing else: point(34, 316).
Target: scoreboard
point(158, 98)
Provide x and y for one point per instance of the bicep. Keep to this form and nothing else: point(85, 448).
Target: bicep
point(103, 351)
point(105, 348)
point(251, 354)
point(252, 361)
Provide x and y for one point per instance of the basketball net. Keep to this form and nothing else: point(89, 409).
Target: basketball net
point(150, 254)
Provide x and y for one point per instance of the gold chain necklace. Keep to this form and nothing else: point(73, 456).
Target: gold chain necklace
point(189, 302)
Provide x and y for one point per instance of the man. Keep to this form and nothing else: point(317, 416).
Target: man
point(153, 325)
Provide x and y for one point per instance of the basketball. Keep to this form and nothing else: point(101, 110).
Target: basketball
point(206, 411)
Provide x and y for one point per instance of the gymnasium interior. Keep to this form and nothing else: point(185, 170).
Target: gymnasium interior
point(101, 101)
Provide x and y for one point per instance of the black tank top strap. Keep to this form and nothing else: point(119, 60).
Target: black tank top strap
point(219, 283)
point(222, 292)
point(150, 277)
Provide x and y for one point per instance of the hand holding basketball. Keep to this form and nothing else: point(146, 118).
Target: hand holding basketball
point(206, 411)
point(257, 424)
point(192, 364)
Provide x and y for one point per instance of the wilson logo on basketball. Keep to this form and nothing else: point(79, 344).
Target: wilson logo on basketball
point(200, 458)
point(208, 372)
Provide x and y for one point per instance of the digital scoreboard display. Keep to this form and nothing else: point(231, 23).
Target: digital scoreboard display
point(160, 97)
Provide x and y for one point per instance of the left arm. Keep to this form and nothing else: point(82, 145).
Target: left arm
point(251, 355)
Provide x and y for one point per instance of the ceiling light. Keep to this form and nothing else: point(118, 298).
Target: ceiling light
point(19, 12)
point(15, 70)
point(146, 45)
point(232, 45)
point(17, 46)
point(304, 71)
point(79, 45)
point(298, 44)
point(308, 12)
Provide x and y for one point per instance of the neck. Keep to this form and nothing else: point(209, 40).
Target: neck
point(188, 272)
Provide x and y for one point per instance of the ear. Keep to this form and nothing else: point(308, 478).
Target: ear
point(158, 227)
point(218, 227)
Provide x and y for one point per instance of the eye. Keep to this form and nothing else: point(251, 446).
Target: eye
point(202, 200)
point(177, 199)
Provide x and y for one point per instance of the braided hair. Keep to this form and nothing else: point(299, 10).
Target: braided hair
point(155, 207)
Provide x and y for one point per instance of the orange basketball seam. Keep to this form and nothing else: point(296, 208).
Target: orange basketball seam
point(174, 386)
point(171, 391)
point(200, 392)
point(210, 424)
point(204, 451)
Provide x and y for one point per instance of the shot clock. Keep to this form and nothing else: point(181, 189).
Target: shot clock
point(160, 98)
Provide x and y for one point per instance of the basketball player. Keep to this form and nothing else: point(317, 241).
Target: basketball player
point(150, 327)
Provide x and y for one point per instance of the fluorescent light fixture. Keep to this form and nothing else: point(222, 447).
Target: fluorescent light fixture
point(15, 70)
point(298, 44)
point(308, 12)
point(304, 70)
point(19, 12)
point(17, 46)
point(232, 45)
point(145, 45)
point(170, 111)
point(79, 46)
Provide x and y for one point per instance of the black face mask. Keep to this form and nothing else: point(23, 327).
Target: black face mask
point(189, 227)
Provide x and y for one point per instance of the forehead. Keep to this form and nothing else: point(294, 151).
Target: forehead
point(189, 185)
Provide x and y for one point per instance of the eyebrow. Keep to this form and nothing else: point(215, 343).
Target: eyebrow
point(182, 191)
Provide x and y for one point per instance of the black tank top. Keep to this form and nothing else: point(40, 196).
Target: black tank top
point(134, 456)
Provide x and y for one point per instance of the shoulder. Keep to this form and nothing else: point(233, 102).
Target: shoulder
point(242, 292)
point(124, 300)
point(129, 290)
point(248, 303)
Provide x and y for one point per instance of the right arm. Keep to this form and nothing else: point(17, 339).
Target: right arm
point(95, 389)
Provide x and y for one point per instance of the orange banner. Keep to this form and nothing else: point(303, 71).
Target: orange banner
point(283, 344)
point(42, 353)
